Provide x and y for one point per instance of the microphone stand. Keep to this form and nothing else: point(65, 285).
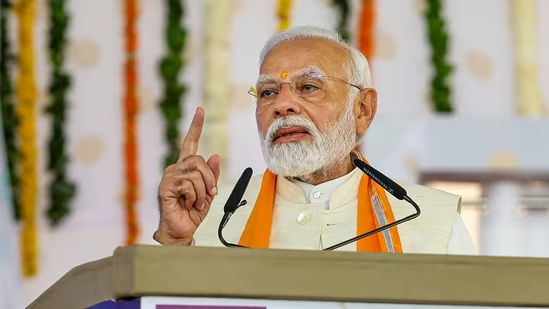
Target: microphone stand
point(224, 221)
point(390, 186)
point(381, 228)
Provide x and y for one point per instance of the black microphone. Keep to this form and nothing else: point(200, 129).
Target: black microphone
point(384, 181)
point(390, 186)
point(233, 203)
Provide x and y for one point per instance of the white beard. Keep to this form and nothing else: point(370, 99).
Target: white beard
point(303, 158)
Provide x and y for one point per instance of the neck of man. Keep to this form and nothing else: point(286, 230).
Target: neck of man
point(334, 171)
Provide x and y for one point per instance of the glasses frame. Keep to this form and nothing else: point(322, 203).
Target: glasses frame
point(253, 91)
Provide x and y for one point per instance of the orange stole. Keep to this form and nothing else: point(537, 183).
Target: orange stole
point(257, 233)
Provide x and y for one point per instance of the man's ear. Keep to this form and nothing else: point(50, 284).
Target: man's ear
point(367, 108)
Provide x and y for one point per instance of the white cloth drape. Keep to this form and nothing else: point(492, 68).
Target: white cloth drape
point(10, 270)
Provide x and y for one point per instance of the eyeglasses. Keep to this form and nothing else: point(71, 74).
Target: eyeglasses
point(312, 87)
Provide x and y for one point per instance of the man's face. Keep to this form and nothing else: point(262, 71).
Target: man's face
point(306, 120)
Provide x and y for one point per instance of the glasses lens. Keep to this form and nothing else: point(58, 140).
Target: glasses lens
point(310, 87)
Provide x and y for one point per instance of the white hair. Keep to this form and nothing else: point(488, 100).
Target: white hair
point(356, 69)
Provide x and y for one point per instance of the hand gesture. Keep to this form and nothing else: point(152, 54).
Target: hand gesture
point(187, 189)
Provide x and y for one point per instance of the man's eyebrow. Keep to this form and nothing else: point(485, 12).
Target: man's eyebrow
point(265, 78)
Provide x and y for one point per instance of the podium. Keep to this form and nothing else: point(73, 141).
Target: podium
point(170, 277)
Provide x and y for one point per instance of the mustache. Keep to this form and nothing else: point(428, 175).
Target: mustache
point(290, 121)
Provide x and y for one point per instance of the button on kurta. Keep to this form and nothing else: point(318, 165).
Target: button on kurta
point(316, 194)
point(303, 218)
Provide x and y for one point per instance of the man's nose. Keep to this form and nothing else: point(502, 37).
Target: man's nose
point(286, 102)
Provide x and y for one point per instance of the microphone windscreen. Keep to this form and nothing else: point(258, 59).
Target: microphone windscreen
point(392, 187)
point(238, 192)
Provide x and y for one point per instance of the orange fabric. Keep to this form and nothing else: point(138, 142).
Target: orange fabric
point(257, 233)
point(366, 220)
point(367, 28)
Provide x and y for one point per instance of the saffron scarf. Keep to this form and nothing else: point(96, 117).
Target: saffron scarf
point(374, 210)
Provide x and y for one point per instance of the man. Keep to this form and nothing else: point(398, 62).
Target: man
point(314, 102)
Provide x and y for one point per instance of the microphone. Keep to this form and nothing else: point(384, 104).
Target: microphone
point(233, 203)
point(390, 186)
point(384, 181)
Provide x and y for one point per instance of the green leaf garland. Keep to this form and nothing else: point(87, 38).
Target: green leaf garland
point(61, 189)
point(7, 104)
point(344, 9)
point(170, 66)
point(438, 38)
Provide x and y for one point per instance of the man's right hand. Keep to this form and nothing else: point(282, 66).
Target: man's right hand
point(187, 190)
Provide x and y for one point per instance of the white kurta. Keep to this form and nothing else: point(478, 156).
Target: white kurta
point(311, 217)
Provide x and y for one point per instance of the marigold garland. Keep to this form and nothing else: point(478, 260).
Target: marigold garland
point(61, 189)
point(170, 67)
point(216, 88)
point(438, 39)
point(130, 126)
point(366, 33)
point(26, 97)
point(344, 8)
point(525, 30)
point(7, 106)
point(283, 13)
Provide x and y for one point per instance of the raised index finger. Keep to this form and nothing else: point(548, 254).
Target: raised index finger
point(190, 144)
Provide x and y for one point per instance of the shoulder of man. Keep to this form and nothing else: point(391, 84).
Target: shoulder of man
point(432, 230)
point(426, 195)
point(439, 213)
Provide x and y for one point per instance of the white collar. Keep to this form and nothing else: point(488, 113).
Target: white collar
point(321, 192)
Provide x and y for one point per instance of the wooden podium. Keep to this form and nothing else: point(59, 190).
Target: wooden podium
point(157, 277)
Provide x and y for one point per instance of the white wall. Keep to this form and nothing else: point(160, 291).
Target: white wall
point(483, 86)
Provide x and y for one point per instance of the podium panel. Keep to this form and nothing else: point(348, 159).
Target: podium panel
point(231, 303)
point(298, 279)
